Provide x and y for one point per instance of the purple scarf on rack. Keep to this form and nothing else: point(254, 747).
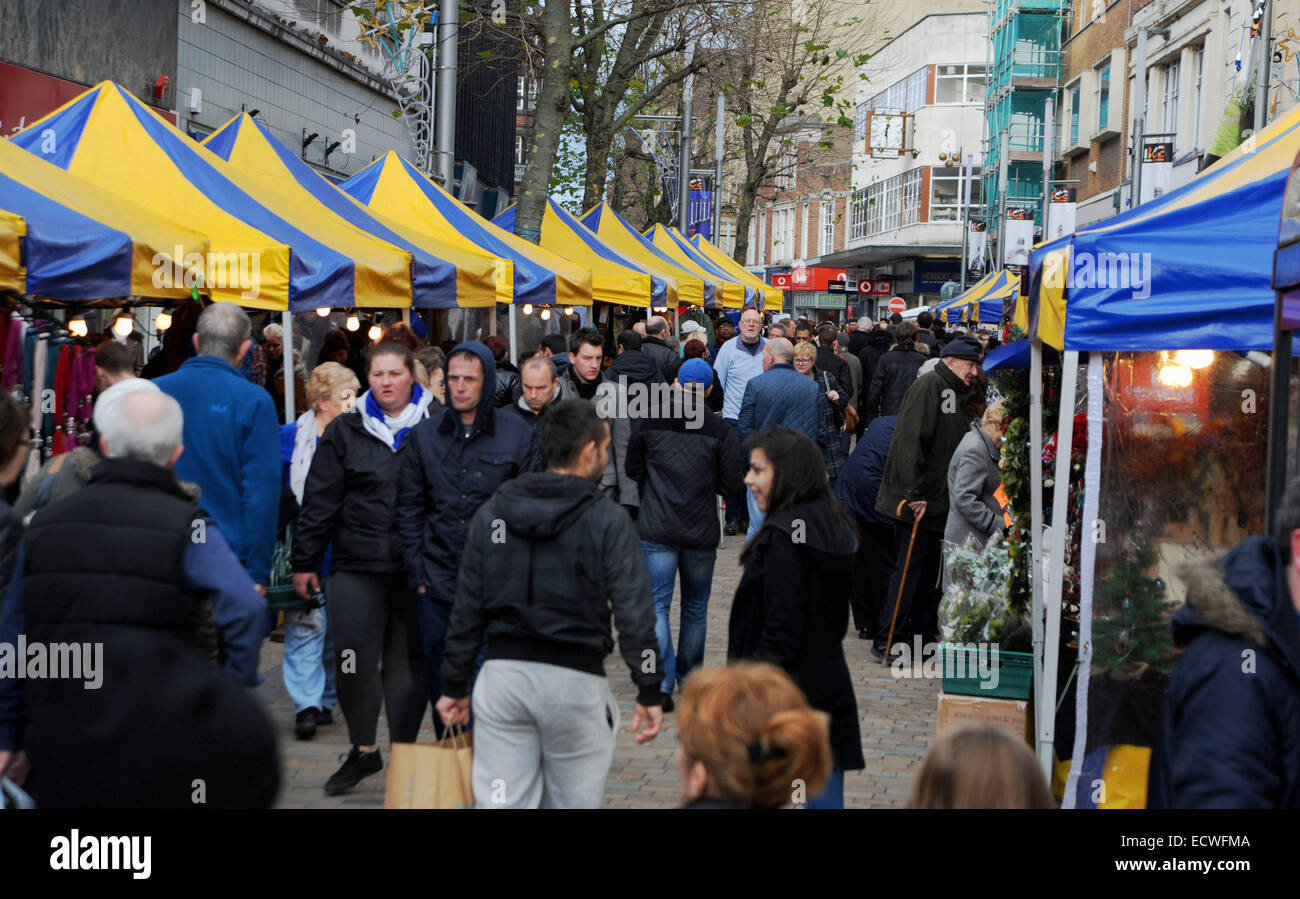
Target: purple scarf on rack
point(13, 354)
point(81, 386)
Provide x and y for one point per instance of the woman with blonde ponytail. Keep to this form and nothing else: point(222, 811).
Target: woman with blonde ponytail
point(749, 739)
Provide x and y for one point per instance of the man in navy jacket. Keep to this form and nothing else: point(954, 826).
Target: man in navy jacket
point(232, 438)
point(779, 396)
point(451, 464)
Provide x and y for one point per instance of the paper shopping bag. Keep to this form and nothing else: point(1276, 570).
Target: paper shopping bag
point(432, 775)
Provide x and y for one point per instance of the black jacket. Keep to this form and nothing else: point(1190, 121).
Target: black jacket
point(348, 501)
point(638, 366)
point(827, 361)
point(1230, 729)
point(931, 423)
point(11, 534)
point(681, 462)
point(791, 609)
point(105, 566)
point(445, 476)
point(874, 345)
point(664, 356)
point(545, 592)
point(507, 384)
point(892, 377)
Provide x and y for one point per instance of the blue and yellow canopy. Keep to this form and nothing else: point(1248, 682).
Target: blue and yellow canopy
point(83, 242)
point(982, 302)
point(731, 293)
point(393, 187)
point(263, 253)
point(609, 226)
point(442, 275)
point(614, 277)
point(1189, 270)
point(736, 271)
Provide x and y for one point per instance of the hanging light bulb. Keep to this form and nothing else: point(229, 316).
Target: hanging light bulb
point(1175, 375)
point(353, 323)
point(375, 333)
point(528, 308)
point(123, 325)
point(324, 311)
point(77, 327)
point(568, 310)
point(546, 314)
point(1194, 358)
point(163, 321)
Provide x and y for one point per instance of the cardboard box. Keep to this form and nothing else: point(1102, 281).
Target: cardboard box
point(1015, 715)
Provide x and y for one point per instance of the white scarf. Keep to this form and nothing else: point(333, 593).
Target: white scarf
point(304, 447)
point(386, 427)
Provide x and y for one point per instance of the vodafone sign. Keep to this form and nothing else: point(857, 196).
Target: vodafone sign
point(880, 287)
point(781, 280)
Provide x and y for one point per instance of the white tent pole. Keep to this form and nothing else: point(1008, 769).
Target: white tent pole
point(1036, 506)
point(514, 335)
point(1087, 567)
point(1056, 578)
point(286, 365)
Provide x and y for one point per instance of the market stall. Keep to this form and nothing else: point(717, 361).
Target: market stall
point(730, 293)
point(259, 257)
point(396, 189)
point(737, 272)
point(1172, 468)
point(692, 288)
point(982, 302)
point(443, 275)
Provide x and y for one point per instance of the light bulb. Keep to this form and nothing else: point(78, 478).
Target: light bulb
point(324, 311)
point(568, 310)
point(77, 327)
point(124, 326)
point(528, 308)
point(164, 320)
point(353, 323)
point(375, 332)
point(1194, 358)
point(546, 314)
point(1175, 375)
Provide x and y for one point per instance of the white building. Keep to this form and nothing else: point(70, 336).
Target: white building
point(920, 113)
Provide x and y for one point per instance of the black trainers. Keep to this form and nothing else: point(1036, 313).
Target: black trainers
point(878, 651)
point(667, 703)
point(324, 717)
point(358, 765)
point(731, 529)
point(304, 724)
point(864, 633)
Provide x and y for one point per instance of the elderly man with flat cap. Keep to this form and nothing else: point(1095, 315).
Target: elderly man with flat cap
point(931, 423)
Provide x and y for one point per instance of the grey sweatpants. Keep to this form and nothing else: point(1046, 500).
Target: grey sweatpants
point(543, 736)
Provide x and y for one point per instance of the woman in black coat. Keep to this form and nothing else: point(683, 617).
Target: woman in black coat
point(791, 607)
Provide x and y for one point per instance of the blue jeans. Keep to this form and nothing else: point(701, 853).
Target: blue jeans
point(435, 617)
point(696, 567)
point(755, 515)
point(308, 665)
point(833, 795)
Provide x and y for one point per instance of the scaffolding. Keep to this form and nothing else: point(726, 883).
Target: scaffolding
point(1025, 69)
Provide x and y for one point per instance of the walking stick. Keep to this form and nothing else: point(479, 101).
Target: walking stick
point(902, 581)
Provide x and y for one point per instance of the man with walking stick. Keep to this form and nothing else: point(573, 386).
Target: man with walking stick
point(914, 492)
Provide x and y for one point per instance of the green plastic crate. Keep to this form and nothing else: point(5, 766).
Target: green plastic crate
point(961, 673)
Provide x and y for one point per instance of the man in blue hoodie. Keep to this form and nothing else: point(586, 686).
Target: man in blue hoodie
point(232, 438)
point(1230, 733)
point(451, 464)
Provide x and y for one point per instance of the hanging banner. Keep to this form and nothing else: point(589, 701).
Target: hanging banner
point(1157, 170)
point(977, 248)
point(699, 218)
point(1061, 213)
point(1018, 237)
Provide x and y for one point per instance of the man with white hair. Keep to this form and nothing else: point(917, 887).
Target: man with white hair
point(232, 440)
point(130, 574)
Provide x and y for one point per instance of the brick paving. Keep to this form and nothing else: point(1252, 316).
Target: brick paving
point(897, 719)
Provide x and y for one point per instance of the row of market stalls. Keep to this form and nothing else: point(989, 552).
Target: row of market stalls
point(105, 201)
point(1169, 308)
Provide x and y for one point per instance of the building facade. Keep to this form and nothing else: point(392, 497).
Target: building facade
point(919, 115)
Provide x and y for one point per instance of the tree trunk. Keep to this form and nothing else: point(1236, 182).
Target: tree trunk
point(552, 112)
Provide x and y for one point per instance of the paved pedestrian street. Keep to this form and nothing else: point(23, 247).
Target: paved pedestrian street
point(896, 717)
